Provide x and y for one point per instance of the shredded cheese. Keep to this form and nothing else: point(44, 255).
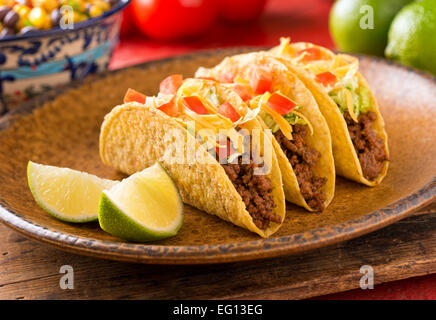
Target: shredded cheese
point(305, 119)
point(284, 125)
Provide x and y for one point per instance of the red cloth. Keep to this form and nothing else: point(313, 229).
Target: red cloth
point(302, 21)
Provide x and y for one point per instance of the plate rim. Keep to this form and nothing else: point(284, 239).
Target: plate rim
point(213, 253)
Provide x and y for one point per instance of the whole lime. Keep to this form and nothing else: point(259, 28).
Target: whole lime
point(363, 25)
point(412, 36)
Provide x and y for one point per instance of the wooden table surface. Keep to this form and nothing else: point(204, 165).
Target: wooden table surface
point(30, 270)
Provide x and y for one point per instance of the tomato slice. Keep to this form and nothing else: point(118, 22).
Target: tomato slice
point(171, 84)
point(280, 103)
point(134, 96)
point(261, 80)
point(326, 78)
point(170, 108)
point(228, 111)
point(194, 104)
point(227, 77)
point(311, 54)
point(242, 91)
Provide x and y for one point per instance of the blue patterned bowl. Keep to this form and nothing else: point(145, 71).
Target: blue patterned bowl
point(36, 62)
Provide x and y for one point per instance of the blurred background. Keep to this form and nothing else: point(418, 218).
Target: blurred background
point(402, 30)
point(48, 43)
point(234, 23)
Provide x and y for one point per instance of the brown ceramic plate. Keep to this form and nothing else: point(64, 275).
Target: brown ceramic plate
point(64, 132)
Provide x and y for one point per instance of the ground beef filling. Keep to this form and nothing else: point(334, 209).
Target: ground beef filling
point(255, 191)
point(370, 148)
point(302, 158)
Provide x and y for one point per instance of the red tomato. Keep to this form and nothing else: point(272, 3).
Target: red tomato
point(174, 19)
point(311, 54)
point(134, 96)
point(261, 81)
point(326, 78)
point(228, 111)
point(242, 91)
point(227, 77)
point(280, 103)
point(127, 24)
point(195, 104)
point(171, 84)
point(240, 10)
point(169, 108)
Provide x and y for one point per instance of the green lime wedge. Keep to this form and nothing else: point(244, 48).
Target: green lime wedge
point(66, 194)
point(143, 207)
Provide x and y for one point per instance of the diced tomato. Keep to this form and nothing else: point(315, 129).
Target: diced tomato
point(326, 78)
point(261, 80)
point(134, 96)
point(228, 111)
point(195, 104)
point(242, 91)
point(227, 77)
point(170, 108)
point(171, 84)
point(206, 78)
point(280, 103)
point(311, 54)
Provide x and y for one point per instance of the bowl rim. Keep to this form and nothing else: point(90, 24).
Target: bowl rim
point(78, 26)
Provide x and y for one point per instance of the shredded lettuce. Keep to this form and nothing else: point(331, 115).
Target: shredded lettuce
point(365, 102)
point(361, 99)
point(269, 121)
point(292, 119)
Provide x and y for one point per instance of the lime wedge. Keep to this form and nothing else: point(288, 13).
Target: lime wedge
point(143, 207)
point(66, 194)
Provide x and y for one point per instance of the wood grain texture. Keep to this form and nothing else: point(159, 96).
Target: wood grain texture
point(64, 132)
point(29, 270)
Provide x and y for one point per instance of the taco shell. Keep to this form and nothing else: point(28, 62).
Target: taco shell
point(134, 136)
point(346, 160)
point(290, 85)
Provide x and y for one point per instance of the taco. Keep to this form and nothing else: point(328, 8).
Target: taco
point(233, 172)
point(360, 143)
point(300, 133)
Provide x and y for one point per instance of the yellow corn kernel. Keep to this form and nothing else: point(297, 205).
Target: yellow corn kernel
point(22, 10)
point(48, 24)
point(95, 11)
point(37, 3)
point(21, 23)
point(38, 17)
point(50, 5)
point(102, 4)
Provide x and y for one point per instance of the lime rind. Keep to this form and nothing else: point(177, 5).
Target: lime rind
point(115, 221)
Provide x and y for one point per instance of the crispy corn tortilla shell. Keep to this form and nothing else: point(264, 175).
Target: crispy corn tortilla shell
point(289, 84)
point(346, 160)
point(134, 136)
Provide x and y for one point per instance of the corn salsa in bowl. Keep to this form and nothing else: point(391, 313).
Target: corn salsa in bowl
point(48, 43)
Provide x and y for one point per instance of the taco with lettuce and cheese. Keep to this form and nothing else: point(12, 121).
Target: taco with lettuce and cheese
point(360, 143)
point(210, 143)
point(300, 134)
